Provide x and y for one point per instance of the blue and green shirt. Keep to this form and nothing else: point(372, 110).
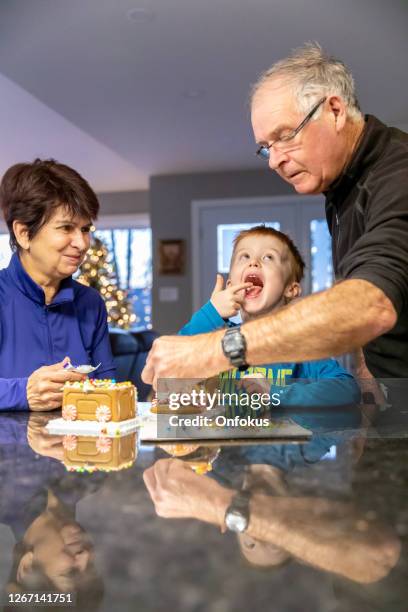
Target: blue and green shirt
point(319, 383)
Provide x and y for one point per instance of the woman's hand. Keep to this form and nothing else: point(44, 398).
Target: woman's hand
point(44, 386)
point(227, 302)
point(40, 440)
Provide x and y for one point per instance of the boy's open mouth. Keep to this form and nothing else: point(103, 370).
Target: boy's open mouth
point(255, 290)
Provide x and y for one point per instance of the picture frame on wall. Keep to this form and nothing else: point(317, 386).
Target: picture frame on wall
point(171, 257)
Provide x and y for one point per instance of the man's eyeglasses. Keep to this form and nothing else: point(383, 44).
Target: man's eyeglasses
point(284, 143)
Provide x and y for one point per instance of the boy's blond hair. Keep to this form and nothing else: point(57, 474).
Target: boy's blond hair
point(297, 265)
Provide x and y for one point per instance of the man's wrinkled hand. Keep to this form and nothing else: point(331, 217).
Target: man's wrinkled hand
point(178, 492)
point(189, 357)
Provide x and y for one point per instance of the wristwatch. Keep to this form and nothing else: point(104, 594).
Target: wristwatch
point(237, 513)
point(234, 347)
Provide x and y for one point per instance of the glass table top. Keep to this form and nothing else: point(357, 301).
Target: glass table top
point(124, 526)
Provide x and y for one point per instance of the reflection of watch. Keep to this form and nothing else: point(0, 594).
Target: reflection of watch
point(237, 513)
point(234, 347)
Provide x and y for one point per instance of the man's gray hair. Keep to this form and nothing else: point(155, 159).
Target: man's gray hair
point(313, 74)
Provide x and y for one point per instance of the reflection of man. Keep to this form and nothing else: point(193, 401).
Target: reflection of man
point(310, 130)
point(329, 535)
point(266, 480)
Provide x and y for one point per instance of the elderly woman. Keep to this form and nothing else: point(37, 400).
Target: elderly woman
point(46, 316)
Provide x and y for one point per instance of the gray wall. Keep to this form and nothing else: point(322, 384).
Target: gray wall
point(123, 202)
point(170, 213)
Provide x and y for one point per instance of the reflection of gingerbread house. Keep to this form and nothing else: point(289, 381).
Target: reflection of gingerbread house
point(99, 400)
point(91, 453)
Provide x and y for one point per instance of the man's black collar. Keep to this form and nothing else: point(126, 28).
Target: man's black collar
point(373, 139)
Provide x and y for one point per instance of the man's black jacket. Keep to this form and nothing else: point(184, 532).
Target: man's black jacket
point(367, 214)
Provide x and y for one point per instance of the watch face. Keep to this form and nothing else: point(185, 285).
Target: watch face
point(235, 521)
point(233, 341)
point(233, 345)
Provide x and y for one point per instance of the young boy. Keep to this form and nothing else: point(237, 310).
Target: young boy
point(265, 274)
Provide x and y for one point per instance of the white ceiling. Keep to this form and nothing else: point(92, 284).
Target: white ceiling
point(166, 92)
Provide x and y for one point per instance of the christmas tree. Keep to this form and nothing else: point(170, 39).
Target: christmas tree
point(98, 271)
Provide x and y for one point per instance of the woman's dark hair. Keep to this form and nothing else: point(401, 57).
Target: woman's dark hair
point(30, 193)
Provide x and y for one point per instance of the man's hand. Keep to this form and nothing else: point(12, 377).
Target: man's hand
point(227, 302)
point(178, 492)
point(44, 386)
point(185, 357)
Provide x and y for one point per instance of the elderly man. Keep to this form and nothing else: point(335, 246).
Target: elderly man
point(310, 130)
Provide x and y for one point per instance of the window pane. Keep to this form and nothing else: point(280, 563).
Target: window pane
point(140, 283)
point(5, 251)
point(106, 236)
point(225, 236)
point(131, 252)
point(321, 255)
point(141, 249)
point(121, 245)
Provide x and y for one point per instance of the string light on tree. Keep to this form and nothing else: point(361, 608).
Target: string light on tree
point(98, 272)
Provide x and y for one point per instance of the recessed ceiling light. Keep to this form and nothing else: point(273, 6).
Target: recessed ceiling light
point(140, 15)
point(193, 94)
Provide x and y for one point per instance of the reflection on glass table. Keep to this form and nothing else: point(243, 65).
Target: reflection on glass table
point(327, 530)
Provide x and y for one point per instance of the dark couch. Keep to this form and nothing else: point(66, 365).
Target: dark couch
point(130, 351)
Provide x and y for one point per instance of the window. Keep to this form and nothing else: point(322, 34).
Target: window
point(131, 252)
point(226, 233)
point(321, 256)
point(5, 251)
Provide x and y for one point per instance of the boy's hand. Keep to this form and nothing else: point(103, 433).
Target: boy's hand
point(254, 383)
point(227, 301)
